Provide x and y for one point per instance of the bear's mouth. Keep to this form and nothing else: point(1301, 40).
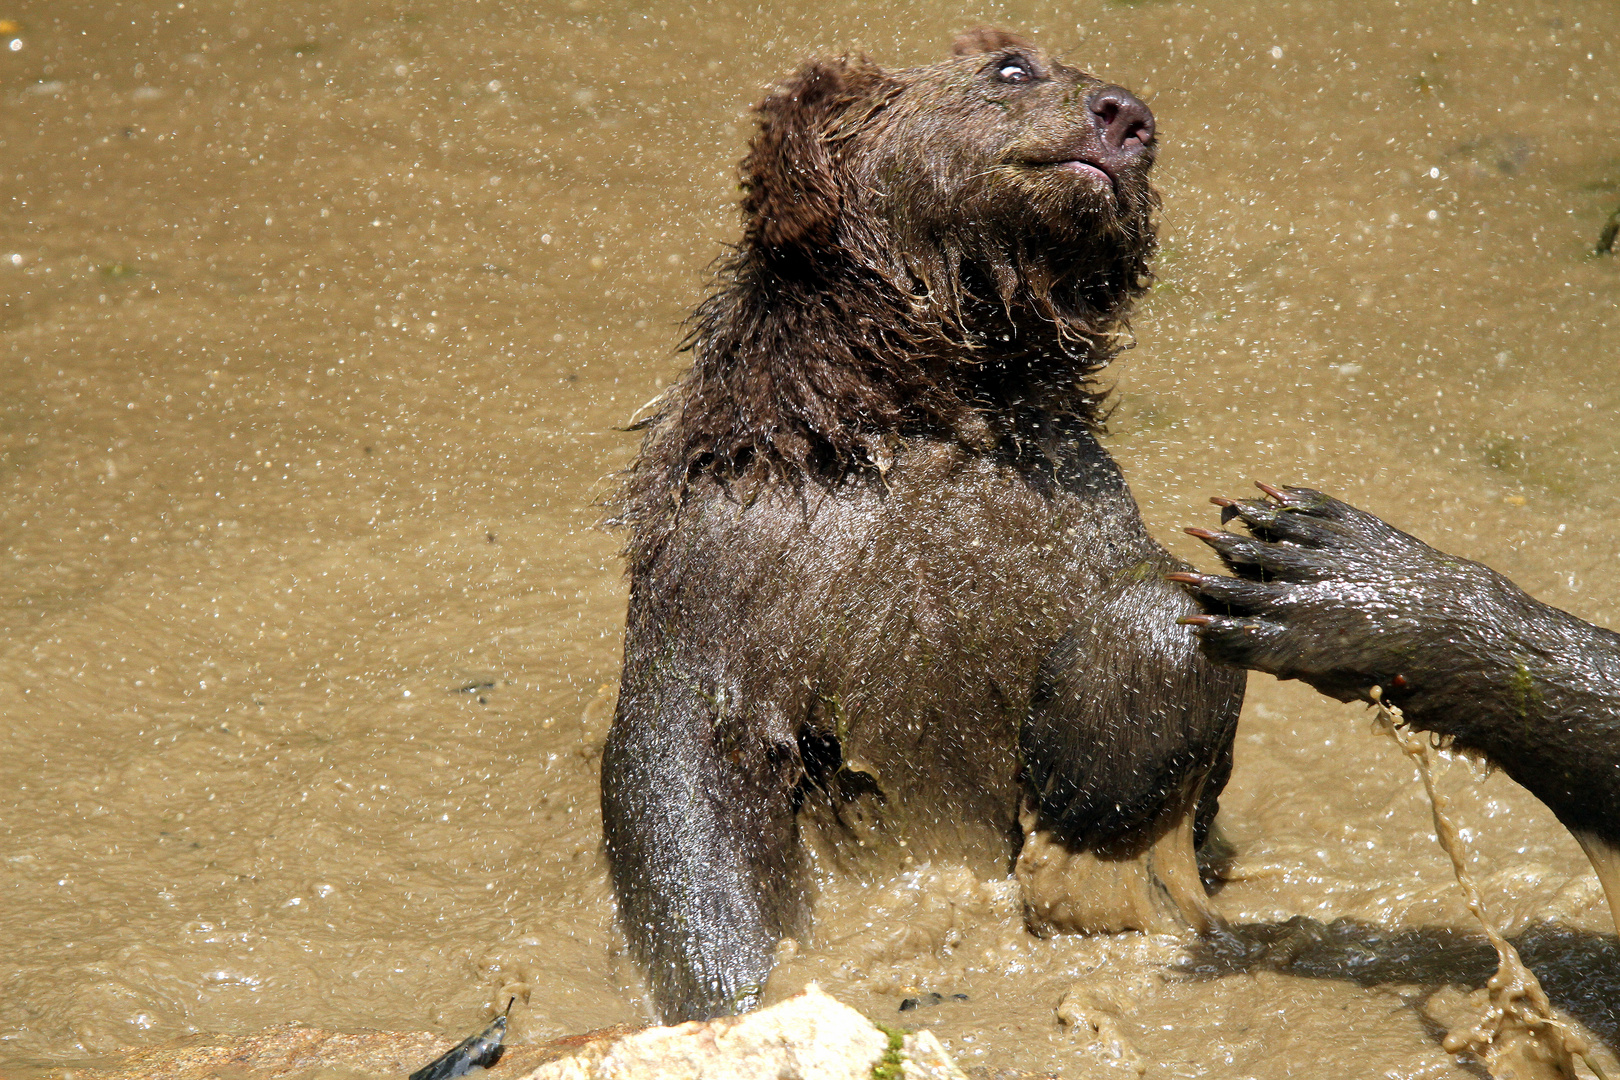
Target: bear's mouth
point(1094, 171)
point(1090, 171)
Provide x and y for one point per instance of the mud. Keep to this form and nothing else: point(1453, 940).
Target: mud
point(316, 326)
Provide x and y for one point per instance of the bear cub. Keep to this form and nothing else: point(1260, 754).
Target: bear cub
point(889, 596)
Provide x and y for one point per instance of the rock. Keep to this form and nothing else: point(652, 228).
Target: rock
point(808, 1037)
point(923, 1058)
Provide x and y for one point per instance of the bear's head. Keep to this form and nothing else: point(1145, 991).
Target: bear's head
point(999, 176)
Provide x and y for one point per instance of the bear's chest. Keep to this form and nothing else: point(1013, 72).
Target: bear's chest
point(907, 620)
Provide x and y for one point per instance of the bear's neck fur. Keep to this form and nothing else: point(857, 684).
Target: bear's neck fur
point(816, 369)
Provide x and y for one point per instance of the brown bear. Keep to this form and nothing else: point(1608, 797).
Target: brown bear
point(1334, 596)
point(889, 596)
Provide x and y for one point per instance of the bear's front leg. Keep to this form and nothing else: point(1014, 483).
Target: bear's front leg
point(697, 810)
point(1127, 743)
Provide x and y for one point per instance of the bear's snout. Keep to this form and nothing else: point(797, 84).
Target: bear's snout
point(1124, 122)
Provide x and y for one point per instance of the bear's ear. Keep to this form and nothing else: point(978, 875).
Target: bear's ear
point(986, 39)
point(791, 178)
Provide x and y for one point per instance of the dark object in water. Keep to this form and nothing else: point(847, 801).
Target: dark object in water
point(1605, 244)
point(1336, 598)
point(886, 584)
point(928, 999)
point(477, 1051)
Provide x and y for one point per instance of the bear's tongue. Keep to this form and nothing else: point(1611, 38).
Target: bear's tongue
point(1085, 168)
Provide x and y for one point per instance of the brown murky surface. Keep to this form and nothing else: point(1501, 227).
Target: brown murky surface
point(316, 322)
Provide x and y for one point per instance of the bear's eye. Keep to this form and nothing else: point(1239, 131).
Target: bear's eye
point(1014, 71)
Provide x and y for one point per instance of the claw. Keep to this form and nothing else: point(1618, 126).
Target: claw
point(1222, 500)
point(1276, 493)
point(1196, 620)
point(1185, 578)
point(1203, 534)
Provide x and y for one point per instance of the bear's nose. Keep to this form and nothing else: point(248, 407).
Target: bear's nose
point(1123, 121)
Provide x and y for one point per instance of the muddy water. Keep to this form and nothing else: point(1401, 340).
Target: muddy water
point(316, 324)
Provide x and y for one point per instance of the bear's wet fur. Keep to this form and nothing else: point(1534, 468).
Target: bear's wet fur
point(890, 598)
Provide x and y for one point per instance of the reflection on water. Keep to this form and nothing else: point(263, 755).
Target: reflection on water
point(317, 322)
